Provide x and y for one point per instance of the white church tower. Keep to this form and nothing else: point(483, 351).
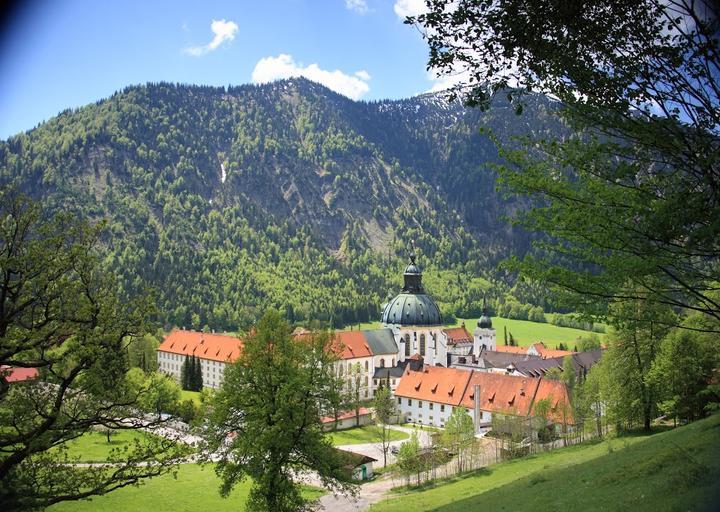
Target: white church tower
point(484, 335)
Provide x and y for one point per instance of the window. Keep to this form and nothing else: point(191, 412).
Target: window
point(399, 401)
point(409, 401)
point(341, 369)
point(382, 362)
point(366, 366)
point(366, 383)
point(442, 407)
point(407, 345)
point(366, 393)
point(393, 362)
point(419, 404)
point(431, 406)
point(422, 344)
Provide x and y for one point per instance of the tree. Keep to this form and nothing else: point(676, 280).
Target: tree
point(588, 343)
point(683, 371)
point(354, 385)
point(185, 373)
point(265, 420)
point(639, 327)
point(409, 458)
point(568, 374)
point(459, 434)
point(59, 313)
point(196, 377)
point(161, 394)
point(631, 193)
point(385, 411)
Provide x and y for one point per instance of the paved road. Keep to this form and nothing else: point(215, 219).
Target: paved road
point(375, 491)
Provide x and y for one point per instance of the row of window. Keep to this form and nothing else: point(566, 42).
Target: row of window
point(431, 405)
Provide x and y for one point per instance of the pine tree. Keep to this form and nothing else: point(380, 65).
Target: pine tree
point(185, 374)
point(197, 377)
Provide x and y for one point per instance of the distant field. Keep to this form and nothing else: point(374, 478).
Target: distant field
point(196, 488)
point(674, 470)
point(360, 435)
point(525, 333)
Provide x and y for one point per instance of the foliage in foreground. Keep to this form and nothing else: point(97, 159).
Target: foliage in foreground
point(265, 422)
point(60, 315)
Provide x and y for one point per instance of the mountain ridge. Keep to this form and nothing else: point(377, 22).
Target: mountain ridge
point(180, 171)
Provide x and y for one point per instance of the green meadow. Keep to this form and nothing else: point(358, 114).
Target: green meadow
point(675, 470)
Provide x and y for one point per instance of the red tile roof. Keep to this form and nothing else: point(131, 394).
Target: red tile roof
point(215, 347)
point(557, 393)
point(352, 344)
point(434, 384)
point(499, 393)
point(511, 349)
point(15, 374)
point(346, 415)
point(550, 352)
point(458, 335)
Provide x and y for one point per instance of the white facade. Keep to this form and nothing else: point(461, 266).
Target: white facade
point(357, 373)
point(212, 371)
point(484, 338)
point(429, 342)
point(431, 413)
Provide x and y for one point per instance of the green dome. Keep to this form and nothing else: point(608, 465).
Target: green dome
point(412, 309)
point(412, 306)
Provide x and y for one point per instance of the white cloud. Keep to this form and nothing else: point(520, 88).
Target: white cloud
point(283, 66)
point(405, 8)
point(358, 6)
point(223, 30)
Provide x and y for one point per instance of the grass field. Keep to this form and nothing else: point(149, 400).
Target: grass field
point(93, 446)
point(673, 470)
point(360, 435)
point(196, 488)
point(525, 333)
point(192, 395)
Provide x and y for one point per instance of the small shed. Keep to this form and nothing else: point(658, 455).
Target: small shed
point(360, 465)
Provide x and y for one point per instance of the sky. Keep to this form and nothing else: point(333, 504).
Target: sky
point(59, 54)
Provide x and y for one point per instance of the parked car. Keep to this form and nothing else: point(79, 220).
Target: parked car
point(394, 450)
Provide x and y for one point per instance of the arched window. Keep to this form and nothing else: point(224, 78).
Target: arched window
point(366, 366)
point(366, 380)
point(407, 345)
point(422, 344)
point(393, 362)
point(382, 363)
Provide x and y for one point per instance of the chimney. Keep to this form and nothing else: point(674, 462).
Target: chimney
point(476, 407)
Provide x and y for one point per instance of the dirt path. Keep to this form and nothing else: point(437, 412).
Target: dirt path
point(368, 494)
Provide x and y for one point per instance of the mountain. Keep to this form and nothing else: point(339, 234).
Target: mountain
point(231, 200)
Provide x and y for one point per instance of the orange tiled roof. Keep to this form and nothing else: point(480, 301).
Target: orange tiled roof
point(346, 415)
point(434, 384)
point(549, 352)
point(215, 347)
point(352, 344)
point(458, 335)
point(556, 392)
point(501, 393)
point(15, 374)
point(510, 349)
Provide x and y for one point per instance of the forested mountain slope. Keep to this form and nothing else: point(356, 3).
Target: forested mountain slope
point(231, 200)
